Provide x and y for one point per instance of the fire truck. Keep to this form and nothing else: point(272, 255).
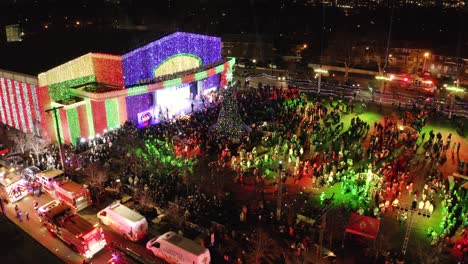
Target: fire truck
point(62, 221)
point(422, 82)
point(12, 186)
point(73, 193)
point(60, 187)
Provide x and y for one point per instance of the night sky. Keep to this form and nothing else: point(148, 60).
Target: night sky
point(57, 31)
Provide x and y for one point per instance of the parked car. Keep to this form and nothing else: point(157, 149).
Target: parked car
point(15, 161)
point(3, 150)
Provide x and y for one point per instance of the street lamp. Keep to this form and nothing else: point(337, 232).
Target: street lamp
point(320, 71)
point(426, 55)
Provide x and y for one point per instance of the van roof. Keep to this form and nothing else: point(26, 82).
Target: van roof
point(184, 243)
point(126, 212)
point(50, 173)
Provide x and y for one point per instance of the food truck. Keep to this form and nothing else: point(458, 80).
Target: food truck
point(12, 186)
point(82, 236)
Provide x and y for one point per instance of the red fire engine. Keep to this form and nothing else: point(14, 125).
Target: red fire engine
point(60, 187)
point(73, 194)
point(84, 237)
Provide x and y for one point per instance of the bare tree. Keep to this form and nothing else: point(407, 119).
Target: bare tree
point(343, 50)
point(145, 199)
point(37, 145)
point(96, 177)
point(20, 141)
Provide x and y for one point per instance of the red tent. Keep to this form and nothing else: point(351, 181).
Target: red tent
point(363, 226)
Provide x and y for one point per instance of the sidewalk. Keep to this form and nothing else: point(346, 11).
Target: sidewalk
point(34, 228)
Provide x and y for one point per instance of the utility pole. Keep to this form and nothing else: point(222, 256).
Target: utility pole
point(280, 191)
point(321, 48)
point(59, 138)
point(389, 36)
point(459, 45)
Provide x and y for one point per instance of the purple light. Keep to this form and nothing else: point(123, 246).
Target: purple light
point(140, 63)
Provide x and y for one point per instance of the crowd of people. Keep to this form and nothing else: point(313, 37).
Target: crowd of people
point(308, 136)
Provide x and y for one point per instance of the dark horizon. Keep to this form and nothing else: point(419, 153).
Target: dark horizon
point(55, 32)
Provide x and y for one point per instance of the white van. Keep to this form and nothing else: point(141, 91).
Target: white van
point(177, 249)
point(124, 220)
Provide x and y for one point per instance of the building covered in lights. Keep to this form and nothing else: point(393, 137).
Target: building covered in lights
point(98, 92)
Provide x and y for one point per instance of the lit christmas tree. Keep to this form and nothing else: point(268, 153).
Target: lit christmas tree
point(229, 121)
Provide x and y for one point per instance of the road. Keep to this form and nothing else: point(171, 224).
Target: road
point(37, 231)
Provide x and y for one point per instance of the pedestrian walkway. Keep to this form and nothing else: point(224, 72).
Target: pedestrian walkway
point(34, 228)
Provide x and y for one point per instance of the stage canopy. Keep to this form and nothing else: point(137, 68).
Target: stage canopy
point(363, 225)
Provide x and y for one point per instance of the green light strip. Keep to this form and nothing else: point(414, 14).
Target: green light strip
point(137, 90)
point(73, 124)
point(89, 113)
point(201, 75)
point(173, 82)
point(455, 89)
point(219, 68)
point(112, 113)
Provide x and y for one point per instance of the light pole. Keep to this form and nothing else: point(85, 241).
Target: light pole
point(319, 80)
point(321, 47)
point(280, 191)
point(426, 55)
point(59, 138)
point(320, 71)
point(388, 37)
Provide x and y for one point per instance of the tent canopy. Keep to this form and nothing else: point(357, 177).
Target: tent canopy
point(363, 225)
